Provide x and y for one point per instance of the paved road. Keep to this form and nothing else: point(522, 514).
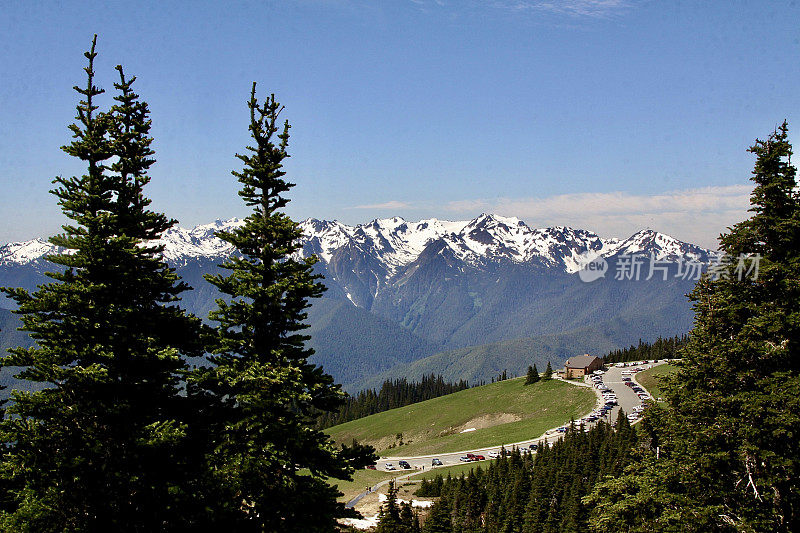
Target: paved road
point(400, 477)
point(625, 396)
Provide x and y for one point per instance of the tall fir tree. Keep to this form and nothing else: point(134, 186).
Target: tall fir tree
point(389, 520)
point(532, 376)
point(548, 372)
point(727, 445)
point(100, 448)
point(270, 462)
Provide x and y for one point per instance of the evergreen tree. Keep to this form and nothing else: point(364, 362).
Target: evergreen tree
point(548, 372)
point(101, 447)
point(533, 375)
point(727, 447)
point(438, 520)
point(262, 392)
point(389, 516)
point(407, 517)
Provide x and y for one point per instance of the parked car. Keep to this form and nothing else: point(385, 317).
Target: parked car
point(533, 447)
point(493, 454)
point(471, 456)
point(479, 458)
point(404, 464)
point(436, 462)
point(372, 467)
point(464, 459)
point(389, 466)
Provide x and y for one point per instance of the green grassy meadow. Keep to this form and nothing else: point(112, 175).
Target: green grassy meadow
point(501, 413)
point(650, 378)
point(362, 479)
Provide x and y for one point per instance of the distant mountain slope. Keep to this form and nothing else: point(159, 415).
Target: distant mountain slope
point(9, 336)
point(353, 344)
point(400, 291)
point(482, 362)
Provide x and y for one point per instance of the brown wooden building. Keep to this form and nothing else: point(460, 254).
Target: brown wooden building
point(578, 366)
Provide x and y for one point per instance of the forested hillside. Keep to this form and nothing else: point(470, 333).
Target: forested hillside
point(661, 348)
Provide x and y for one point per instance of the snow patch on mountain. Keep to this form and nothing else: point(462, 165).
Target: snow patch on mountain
point(23, 253)
point(182, 244)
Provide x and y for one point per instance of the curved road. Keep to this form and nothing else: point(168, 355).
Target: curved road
point(612, 378)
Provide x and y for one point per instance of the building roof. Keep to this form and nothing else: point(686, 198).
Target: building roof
point(580, 361)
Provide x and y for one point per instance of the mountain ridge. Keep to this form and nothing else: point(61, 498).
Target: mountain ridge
point(398, 242)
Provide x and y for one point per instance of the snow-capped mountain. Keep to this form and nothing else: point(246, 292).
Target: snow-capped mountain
point(662, 247)
point(395, 243)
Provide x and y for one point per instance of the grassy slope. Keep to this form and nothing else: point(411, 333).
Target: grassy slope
point(361, 480)
point(649, 379)
point(503, 412)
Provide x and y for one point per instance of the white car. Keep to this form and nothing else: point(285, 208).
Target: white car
point(389, 466)
point(493, 455)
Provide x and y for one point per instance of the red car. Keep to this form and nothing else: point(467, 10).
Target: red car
point(479, 458)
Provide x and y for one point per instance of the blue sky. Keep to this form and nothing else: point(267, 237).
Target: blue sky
point(610, 115)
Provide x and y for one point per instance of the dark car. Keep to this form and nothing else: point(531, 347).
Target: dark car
point(373, 466)
point(404, 464)
point(436, 462)
point(533, 447)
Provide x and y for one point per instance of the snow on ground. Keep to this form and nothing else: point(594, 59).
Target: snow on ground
point(422, 504)
point(360, 523)
point(372, 521)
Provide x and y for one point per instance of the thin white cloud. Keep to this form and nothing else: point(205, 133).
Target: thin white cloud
point(573, 8)
point(695, 215)
point(391, 204)
point(570, 8)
